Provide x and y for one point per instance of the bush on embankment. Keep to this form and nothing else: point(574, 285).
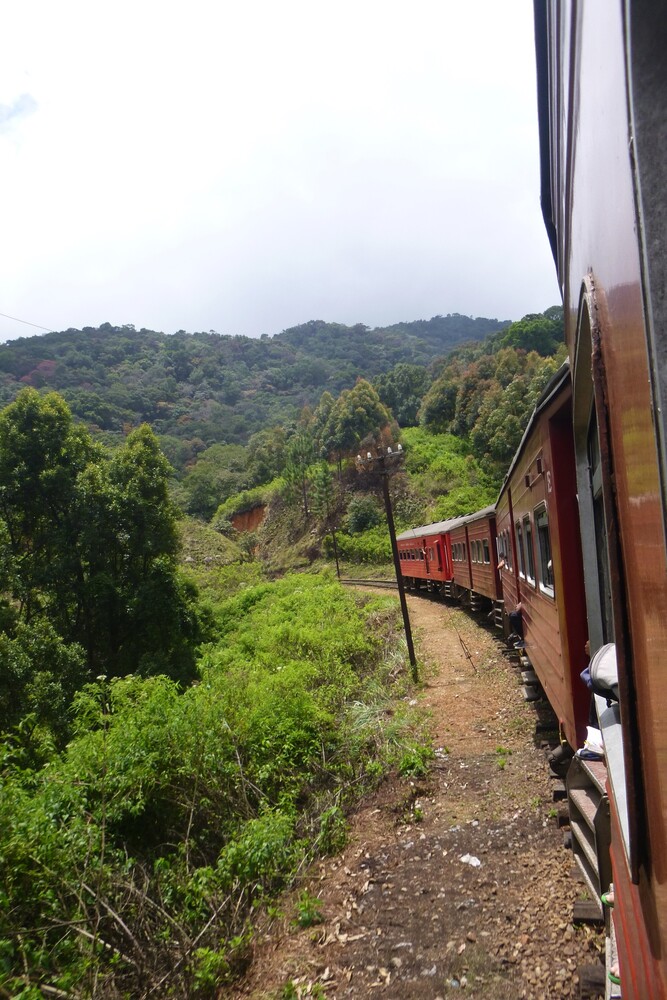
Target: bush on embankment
point(133, 860)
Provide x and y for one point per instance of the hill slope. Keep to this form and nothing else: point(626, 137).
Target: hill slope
point(215, 387)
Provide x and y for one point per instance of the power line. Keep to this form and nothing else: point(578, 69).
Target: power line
point(26, 323)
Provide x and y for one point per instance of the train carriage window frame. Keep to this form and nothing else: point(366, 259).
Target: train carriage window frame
point(518, 532)
point(486, 552)
point(529, 551)
point(544, 554)
point(509, 559)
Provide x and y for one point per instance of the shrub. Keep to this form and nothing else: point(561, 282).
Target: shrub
point(362, 513)
point(373, 546)
point(170, 812)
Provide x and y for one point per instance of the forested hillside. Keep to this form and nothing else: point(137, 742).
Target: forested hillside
point(479, 397)
point(217, 388)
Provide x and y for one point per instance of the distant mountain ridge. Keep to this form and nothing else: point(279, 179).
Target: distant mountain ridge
point(218, 387)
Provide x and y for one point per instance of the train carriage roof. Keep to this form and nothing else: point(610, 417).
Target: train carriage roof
point(444, 527)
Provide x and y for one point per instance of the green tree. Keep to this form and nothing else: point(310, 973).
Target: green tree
point(141, 616)
point(323, 492)
point(321, 419)
point(504, 412)
point(541, 332)
point(363, 513)
point(42, 454)
point(88, 576)
point(299, 456)
point(402, 390)
point(438, 407)
point(356, 414)
point(266, 455)
point(219, 472)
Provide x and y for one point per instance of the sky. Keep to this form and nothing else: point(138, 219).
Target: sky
point(244, 166)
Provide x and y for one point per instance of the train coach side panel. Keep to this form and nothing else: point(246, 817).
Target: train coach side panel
point(508, 573)
point(532, 484)
point(603, 255)
point(636, 924)
point(461, 557)
point(482, 543)
point(561, 487)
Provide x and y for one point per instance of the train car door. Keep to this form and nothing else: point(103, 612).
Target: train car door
point(604, 578)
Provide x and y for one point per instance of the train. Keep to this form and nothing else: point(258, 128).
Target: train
point(573, 553)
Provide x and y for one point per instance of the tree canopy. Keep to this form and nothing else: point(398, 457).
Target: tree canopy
point(88, 577)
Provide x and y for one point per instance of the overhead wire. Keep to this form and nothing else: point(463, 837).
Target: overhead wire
point(25, 322)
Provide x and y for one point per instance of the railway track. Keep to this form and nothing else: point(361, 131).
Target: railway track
point(386, 584)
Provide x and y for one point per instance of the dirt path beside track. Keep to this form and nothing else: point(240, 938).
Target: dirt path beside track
point(456, 884)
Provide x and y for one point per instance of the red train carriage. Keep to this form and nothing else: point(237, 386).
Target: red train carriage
point(540, 555)
point(480, 530)
point(602, 98)
point(425, 555)
point(455, 557)
point(461, 564)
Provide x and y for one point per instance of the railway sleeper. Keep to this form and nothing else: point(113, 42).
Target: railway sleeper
point(477, 602)
point(532, 692)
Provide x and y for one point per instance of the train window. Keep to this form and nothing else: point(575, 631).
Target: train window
point(487, 553)
point(530, 558)
point(544, 551)
point(508, 550)
point(604, 575)
point(519, 547)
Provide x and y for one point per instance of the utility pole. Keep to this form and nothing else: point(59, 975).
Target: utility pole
point(382, 464)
